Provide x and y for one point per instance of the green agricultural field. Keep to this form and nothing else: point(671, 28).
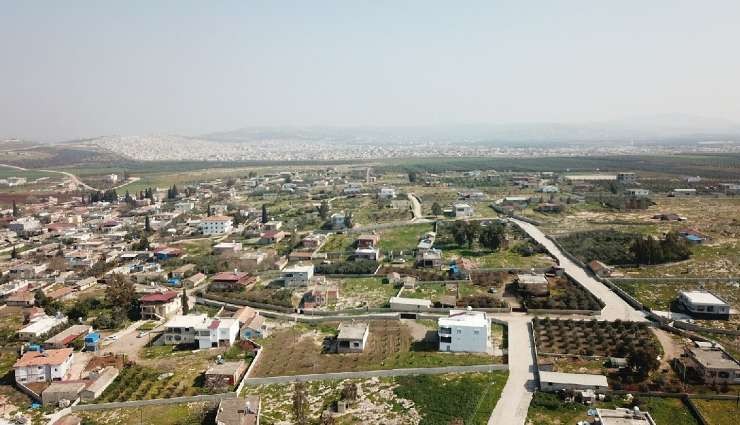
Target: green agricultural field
point(440, 400)
point(719, 412)
point(404, 238)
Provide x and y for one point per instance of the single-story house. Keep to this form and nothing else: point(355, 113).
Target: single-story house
point(255, 328)
point(352, 337)
point(232, 281)
point(409, 304)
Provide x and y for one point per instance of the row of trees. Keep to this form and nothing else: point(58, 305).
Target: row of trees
point(467, 233)
point(109, 195)
point(648, 250)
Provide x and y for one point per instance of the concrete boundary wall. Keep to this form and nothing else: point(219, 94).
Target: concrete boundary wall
point(374, 373)
point(153, 402)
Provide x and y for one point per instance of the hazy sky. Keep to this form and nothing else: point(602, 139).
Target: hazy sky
point(79, 69)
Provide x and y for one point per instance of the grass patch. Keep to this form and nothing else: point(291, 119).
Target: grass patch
point(719, 412)
point(404, 238)
point(442, 399)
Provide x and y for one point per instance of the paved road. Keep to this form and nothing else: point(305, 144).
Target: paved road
point(616, 307)
point(374, 373)
point(415, 206)
point(512, 407)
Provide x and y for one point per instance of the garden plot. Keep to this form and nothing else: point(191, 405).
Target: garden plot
point(464, 294)
point(164, 372)
point(301, 350)
point(565, 294)
point(590, 337)
point(548, 409)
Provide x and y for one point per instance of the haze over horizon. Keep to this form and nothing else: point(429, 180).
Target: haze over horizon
point(82, 69)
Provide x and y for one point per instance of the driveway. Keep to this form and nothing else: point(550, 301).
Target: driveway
point(616, 307)
point(513, 405)
point(128, 342)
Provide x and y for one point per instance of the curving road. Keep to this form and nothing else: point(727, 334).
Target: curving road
point(616, 307)
point(513, 405)
point(76, 180)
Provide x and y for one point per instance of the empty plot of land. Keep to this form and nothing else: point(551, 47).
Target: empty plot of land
point(301, 350)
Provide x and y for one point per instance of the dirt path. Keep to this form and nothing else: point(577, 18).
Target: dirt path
point(671, 349)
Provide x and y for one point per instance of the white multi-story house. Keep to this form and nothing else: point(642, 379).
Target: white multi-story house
point(463, 210)
point(387, 193)
point(216, 225)
point(43, 366)
point(297, 275)
point(464, 331)
point(25, 226)
point(201, 330)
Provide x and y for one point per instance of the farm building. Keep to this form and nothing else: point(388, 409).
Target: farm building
point(99, 382)
point(224, 375)
point(556, 381)
point(65, 337)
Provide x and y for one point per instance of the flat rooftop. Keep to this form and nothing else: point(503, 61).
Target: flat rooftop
point(703, 297)
point(714, 358)
point(574, 379)
point(352, 330)
point(624, 417)
point(464, 318)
